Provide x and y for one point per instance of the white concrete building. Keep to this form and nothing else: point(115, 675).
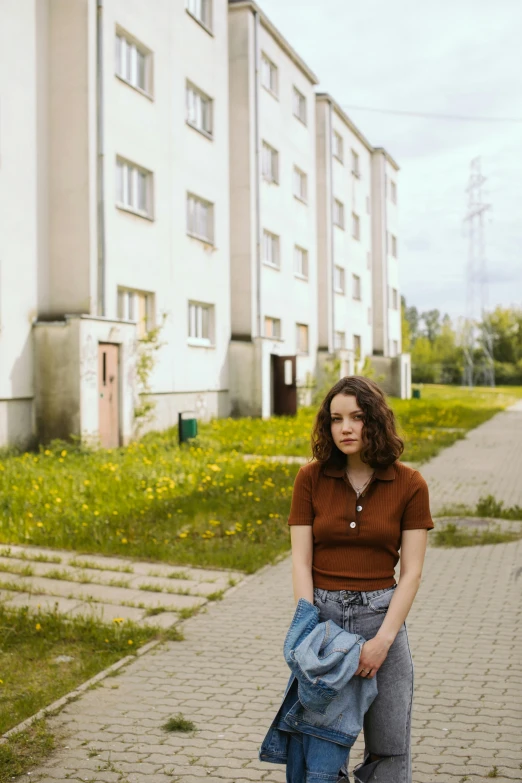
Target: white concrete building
point(273, 217)
point(114, 181)
point(344, 201)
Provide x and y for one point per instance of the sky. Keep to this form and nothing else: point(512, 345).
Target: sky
point(450, 57)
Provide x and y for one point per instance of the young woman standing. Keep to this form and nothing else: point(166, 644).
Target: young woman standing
point(354, 509)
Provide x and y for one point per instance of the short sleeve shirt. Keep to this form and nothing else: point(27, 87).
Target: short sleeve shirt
point(356, 541)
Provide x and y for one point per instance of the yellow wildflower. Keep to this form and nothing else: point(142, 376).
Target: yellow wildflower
point(130, 641)
point(63, 453)
point(39, 524)
point(124, 541)
point(38, 627)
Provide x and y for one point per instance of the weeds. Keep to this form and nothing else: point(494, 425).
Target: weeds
point(179, 723)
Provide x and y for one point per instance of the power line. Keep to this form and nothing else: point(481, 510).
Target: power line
point(433, 115)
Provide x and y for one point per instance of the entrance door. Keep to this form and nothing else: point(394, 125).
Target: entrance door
point(109, 396)
point(284, 385)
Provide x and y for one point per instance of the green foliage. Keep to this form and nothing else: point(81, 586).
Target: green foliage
point(179, 723)
point(24, 750)
point(452, 535)
point(489, 506)
point(147, 348)
point(330, 374)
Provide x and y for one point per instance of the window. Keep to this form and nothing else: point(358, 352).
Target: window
point(338, 213)
point(302, 338)
point(199, 109)
point(394, 246)
point(300, 184)
point(269, 163)
point(357, 345)
point(201, 10)
point(369, 316)
point(339, 340)
point(394, 299)
point(200, 218)
point(200, 323)
point(136, 306)
point(393, 191)
point(368, 260)
point(301, 262)
point(271, 249)
point(337, 146)
point(299, 105)
point(355, 165)
point(269, 78)
point(133, 188)
point(133, 63)
point(339, 279)
point(356, 226)
point(368, 206)
point(356, 287)
point(273, 327)
point(394, 348)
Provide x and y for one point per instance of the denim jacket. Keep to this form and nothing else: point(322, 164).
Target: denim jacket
point(322, 696)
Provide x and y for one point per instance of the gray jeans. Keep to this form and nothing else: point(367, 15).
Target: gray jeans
point(387, 724)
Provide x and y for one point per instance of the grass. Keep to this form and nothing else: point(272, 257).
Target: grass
point(452, 535)
point(487, 507)
point(30, 643)
point(179, 723)
point(24, 750)
point(202, 504)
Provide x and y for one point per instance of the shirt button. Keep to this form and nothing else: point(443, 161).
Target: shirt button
point(359, 508)
point(352, 524)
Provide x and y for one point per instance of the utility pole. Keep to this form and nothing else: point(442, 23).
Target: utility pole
point(477, 286)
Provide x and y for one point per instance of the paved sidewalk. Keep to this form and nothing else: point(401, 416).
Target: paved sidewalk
point(229, 674)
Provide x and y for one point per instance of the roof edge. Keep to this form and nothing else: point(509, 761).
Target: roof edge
point(388, 157)
point(234, 5)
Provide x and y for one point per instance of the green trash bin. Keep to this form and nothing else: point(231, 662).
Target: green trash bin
point(187, 426)
point(416, 394)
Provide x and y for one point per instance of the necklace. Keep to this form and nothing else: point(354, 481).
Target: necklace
point(360, 489)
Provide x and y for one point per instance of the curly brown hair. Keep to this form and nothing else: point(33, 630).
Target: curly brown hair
point(381, 444)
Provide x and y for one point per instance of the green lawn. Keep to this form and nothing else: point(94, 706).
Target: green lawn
point(202, 504)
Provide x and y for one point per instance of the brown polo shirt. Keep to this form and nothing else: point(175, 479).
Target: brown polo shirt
point(357, 541)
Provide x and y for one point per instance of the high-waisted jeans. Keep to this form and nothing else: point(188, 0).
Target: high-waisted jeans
point(387, 723)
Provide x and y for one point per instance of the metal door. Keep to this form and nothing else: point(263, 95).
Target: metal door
point(109, 395)
point(284, 385)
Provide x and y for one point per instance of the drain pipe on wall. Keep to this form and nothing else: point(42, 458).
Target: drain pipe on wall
point(332, 229)
point(101, 310)
point(258, 174)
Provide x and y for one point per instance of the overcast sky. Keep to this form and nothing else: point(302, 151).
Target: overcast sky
point(460, 57)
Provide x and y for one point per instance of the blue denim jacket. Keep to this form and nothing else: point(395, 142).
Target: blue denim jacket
point(322, 696)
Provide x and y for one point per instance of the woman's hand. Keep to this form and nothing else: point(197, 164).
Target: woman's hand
point(373, 655)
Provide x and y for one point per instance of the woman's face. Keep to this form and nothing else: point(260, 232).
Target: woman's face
point(347, 421)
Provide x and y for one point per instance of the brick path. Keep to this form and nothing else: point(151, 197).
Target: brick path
point(228, 675)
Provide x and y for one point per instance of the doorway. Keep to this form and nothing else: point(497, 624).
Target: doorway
point(108, 395)
point(284, 385)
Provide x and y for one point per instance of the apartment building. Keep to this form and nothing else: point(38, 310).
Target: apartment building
point(114, 172)
point(344, 205)
point(273, 219)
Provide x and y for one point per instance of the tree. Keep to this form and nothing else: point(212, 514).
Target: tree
point(406, 335)
point(431, 319)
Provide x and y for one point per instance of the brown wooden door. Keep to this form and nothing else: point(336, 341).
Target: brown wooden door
point(284, 385)
point(109, 396)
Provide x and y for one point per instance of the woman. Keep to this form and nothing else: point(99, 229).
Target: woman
point(353, 509)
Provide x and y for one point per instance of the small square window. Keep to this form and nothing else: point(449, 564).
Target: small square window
point(339, 340)
point(270, 163)
point(269, 75)
point(200, 323)
point(201, 10)
point(300, 184)
point(339, 279)
point(355, 165)
point(338, 213)
point(133, 62)
point(273, 327)
point(200, 218)
point(302, 338)
point(199, 109)
point(393, 191)
point(138, 306)
point(337, 146)
point(299, 105)
point(301, 262)
point(357, 346)
point(356, 287)
point(271, 249)
point(356, 226)
point(394, 246)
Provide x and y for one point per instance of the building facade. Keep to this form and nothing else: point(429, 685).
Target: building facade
point(172, 174)
point(273, 207)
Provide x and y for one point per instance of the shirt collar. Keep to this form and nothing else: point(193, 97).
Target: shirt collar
point(383, 474)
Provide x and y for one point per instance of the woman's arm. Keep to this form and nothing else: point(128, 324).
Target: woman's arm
point(413, 549)
point(302, 555)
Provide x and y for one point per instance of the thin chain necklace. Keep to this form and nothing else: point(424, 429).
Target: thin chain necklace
point(360, 489)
